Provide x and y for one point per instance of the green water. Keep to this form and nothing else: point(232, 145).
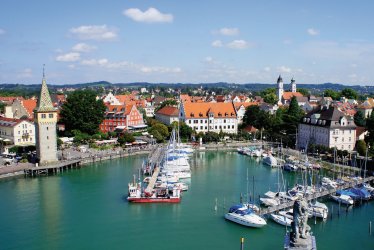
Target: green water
point(86, 209)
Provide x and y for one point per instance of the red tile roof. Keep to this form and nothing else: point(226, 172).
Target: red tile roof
point(202, 110)
point(289, 95)
point(30, 105)
point(168, 111)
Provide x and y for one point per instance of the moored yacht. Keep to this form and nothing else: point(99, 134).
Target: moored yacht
point(245, 216)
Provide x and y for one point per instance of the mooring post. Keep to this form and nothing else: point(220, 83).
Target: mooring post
point(242, 243)
point(369, 227)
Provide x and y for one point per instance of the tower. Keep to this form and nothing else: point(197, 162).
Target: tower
point(45, 119)
point(293, 85)
point(280, 89)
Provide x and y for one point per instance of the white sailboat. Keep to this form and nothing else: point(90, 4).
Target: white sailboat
point(245, 216)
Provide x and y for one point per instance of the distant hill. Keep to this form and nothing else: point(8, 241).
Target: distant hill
point(255, 87)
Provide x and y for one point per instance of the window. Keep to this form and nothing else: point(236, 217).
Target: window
point(201, 127)
point(224, 121)
point(189, 121)
point(206, 127)
point(350, 139)
point(44, 116)
point(50, 115)
point(47, 128)
point(47, 137)
point(19, 132)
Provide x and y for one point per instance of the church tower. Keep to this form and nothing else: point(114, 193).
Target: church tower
point(45, 119)
point(293, 85)
point(280, 89)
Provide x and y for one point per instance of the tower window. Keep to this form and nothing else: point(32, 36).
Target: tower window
point(50, 115)
point(47, 137)
point(44, 116)
point(47, 128)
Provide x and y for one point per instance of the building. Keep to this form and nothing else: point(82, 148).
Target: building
point(327, 126)
point(210, 117)
point(284, 97)
point(167, 115)
point(366, 107)
point(45, 118)
point(21, 108)
point(121, 118)
point(17, 132)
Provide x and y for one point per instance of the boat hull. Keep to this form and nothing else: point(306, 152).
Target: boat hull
point(242, 221)
point(153, 200)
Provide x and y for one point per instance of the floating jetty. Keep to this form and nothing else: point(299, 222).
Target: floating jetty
point(315, 195)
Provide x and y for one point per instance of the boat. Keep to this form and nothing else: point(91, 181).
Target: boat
point(290, 167)
point(328, 183)
point(362, 192)
point(270, 160)
point(180, 185)
point(354, 196)
point(318, 209)
point(270, 202)
point(342, 199)
point(281, 219)
point(245, 216)
point(158, 195)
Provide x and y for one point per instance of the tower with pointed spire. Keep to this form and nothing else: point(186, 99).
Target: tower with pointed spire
point(45, 118)
point(293, 86)
point(280, 89)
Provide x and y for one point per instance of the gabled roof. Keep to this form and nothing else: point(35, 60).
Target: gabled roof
point(202, 110)
point(10, 122)
point(289, 95)
point(30, 105)
point(185, 98)
point(329, 117)
point(168, 111)
point(10, 99)
point(244, 104)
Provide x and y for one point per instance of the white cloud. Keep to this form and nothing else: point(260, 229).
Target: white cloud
point(94, 32)
point(2, 31)
point(312, 32)
point(151, 15)
point(267, 69)
point(95, 62)
point(238, 44)
point(83, 47)
point(228, 31)
point(352, 76)
point(287, 41)
point(283, 69)
point(160, 70)
point(217, 43)
point(26, 73)
point(69, 57)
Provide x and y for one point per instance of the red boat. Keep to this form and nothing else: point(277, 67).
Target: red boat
point(158, 195)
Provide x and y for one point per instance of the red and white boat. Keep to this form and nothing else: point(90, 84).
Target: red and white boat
point(157, 195)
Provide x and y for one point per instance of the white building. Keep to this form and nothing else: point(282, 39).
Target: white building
point(328, 127)
point(17, 132)
point(206, 117)
point(111, 99)
point(167, 115)
point(240, 108)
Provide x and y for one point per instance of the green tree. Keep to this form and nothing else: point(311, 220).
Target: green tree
point(269, 96)
point(370, 128)
point(82, 111)
point(359, 119)
point(304, 92)
point(331, 93)
point(349, 93)
point(126, 138)
point(251, 114)
point(361, 147)
point(157, 136)
point(2, 107)
point(171, 102)
point(161, 128)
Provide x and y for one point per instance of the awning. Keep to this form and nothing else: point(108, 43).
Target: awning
point(138, 126)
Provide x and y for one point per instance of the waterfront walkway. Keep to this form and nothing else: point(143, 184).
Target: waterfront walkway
point(316, 195)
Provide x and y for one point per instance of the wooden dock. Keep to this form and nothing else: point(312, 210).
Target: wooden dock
point(58, 167)
point(316, 195)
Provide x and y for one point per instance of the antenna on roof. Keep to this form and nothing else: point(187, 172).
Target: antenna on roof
point(43, 70)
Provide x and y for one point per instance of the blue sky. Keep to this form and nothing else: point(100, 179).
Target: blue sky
point(192, 41)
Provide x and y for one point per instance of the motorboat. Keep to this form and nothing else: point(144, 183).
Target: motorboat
point(245, 216)
point(270, 202)
point(318, 209)
point(270, 160)
point(343, 199)
point(290, 167)
point(252, 206)
point(349, 193)
point(328, 183)
point(281, 219)
point(362, 192)
point(180, 185)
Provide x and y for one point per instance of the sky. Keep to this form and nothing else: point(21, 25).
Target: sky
point(236, 41)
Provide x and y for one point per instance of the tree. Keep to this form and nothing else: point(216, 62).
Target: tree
point(171, 102)
point(251, 114)
point(349, 93)
point(359, 119)
point(126, 138)
point(361, 147)
point(82, 111)
point(269, 96)
point(160, 128)
point(331, 93)
point(370, 128)
point(304, 92)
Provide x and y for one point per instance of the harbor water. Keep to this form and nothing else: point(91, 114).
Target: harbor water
point(87, 209)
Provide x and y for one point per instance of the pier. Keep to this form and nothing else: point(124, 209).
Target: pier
point(316, 195)
point(154, 160)
point(52, 168)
